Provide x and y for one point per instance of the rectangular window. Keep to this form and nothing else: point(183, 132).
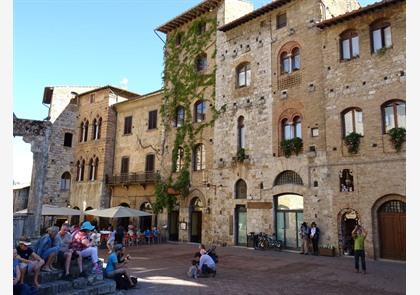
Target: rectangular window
point(377, 40)
point(248, 76)
point(150, 163)
point(152, 120)
point(355, 46)
point(241, 79)
point(348, 123)
point(346, 49)
point(128, 122)
point(68, 138)
point(315, 132)
point(125, 161)
point(359, 122)
point(401, 115)
point(92, 98)
point(286, 65)
point(288, 132)
point(389, 118)
point(388, 39)
point(281, 20)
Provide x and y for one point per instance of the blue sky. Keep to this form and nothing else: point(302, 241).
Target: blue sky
point(86, 42)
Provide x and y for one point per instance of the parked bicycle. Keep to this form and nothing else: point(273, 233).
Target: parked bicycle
point(263, 242)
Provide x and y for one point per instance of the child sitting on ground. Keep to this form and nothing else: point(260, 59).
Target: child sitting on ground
point(193, 271)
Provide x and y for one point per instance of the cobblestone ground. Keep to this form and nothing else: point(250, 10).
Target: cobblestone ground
point(162, 270)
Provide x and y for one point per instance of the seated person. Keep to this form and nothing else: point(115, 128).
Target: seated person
point(65, 253)
point(81, 242)
point(47, 249)
point(18, 288)
point(156, 234)
point(110, 242)
point(29, 261)
point(206, 265)
point(117, 263)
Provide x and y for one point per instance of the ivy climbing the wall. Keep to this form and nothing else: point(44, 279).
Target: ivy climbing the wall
point(187, 79)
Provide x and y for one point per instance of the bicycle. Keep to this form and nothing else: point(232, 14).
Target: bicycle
point(265, 242)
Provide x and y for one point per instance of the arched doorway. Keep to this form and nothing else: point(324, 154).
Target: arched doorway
point(124, 221)
point(146, 221)
point(288, 218)
point(196, 208)
point(348, 218)
point(173, 219)
point(391, 225)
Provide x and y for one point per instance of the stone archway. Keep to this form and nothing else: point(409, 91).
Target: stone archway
point(347, 219)
point(388, 222)
point(196, 207)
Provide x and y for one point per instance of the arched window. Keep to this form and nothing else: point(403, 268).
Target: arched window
point(98, 129)
point(380, 34)
point(352, 120)
point(292, 129)
point(241, 133)
point(240, 189)
point(290, 58)
point(243, 75)
point(65, 181)
point(349, 45)
point(78, 171)
point(201, 62)
point(180, 115)
point(94, 128)
point(179, 160)
point(91, 169)
point(288, 177)
point(95, 172)
point(393, 114)
point(85, 131)
point(199, 111)
point(295, 59)
point(82, 170)
point(199, 157)
point(82, 131)
point(285, 63)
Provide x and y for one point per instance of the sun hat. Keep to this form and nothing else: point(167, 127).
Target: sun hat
point(25, 241)
point(87, 225)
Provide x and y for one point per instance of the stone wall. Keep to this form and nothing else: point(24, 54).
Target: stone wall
point(20, 198)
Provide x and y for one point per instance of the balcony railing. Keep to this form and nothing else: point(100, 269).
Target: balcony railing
point(132, 178)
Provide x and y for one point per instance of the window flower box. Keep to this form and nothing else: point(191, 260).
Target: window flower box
point(327, 251)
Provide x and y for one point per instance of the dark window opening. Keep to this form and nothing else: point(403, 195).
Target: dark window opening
point(68, 138)
point(128, 122)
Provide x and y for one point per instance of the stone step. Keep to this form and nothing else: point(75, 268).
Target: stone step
point(55, 287)
point(103, 287)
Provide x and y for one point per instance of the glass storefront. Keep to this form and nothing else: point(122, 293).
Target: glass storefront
point(289, 217)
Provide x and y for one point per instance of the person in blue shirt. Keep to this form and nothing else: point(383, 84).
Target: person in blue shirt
point(148, 235)
point(114, 267)
point(206, 265)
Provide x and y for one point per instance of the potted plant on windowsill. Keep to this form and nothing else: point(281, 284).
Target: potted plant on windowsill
point(352, 142)
point(241, 156)
point(290, 146)
point(397, 137)
point(327, 250)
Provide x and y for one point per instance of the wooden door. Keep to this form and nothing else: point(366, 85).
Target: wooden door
point(174, 225)
point(391, 220)
point(196, 226)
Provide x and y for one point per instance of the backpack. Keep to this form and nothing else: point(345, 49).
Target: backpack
point(123, 282)
point(213, 255)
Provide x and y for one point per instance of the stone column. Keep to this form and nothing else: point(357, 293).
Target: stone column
point(39, 148)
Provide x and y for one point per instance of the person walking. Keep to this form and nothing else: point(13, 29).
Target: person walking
point(314, 236)
point(359, 235)
point(304, 235)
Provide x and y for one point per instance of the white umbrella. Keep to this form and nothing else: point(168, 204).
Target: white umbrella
point(50, 210)
point(117, 212)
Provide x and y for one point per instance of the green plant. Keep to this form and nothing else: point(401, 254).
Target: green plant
point(183, 86)
point(290, 146)
point(397, 137)
point(381, 51)
point(352, 141)
point(240, 155)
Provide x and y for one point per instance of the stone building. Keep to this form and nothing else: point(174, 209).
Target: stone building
point(191, 217)
point(364, 88)
point(20, 197)
point(62, 114)
point(94, 146)
point(284, 84)
point(137, 155)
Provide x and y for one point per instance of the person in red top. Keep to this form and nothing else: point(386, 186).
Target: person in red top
point(82, 242)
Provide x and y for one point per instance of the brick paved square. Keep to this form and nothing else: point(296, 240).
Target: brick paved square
point(162, 270)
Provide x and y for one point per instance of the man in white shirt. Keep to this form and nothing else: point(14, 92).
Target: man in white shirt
point(206, 265)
